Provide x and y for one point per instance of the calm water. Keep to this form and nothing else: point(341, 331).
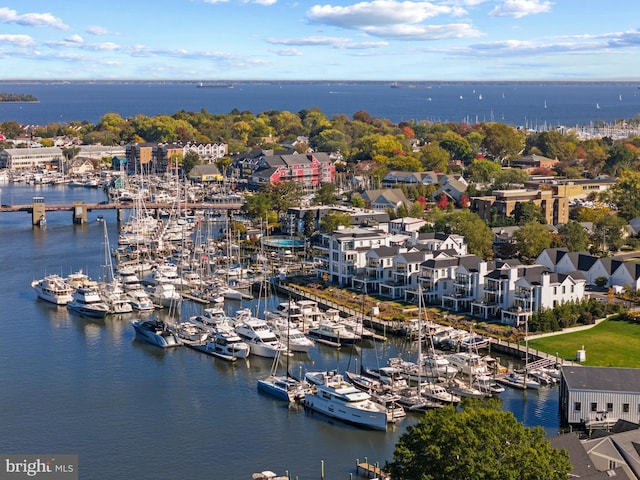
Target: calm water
point(531, 105)
point(73, 385)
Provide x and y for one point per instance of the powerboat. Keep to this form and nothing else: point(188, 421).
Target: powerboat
point(337, 398)
point(165, 294)
point(54, 289)
point(261, 339)
point(333, 334)
point(223, 342)
point(468, 363)
point(87, 302)
point(155, 332)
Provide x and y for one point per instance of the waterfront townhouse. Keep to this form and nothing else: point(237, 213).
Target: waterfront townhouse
point(498, 292)
point(404, 274)
point(468, 283)
point(208, 152)
point(599, 395)
point(378, 269)
point(437, 276)
point(406, 225)
point(438, 241)
point(538, 289)
point(342, 254)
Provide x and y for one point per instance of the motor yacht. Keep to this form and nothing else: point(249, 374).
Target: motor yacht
point(155, 332)
point(260, 337)
point(87, 302)
point(54, 289)
point(337, 398)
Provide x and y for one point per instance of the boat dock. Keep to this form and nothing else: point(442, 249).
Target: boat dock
point(370, 470)
point(381, 326)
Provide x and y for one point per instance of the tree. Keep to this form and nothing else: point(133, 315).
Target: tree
point(357, 200)
point(190, 160)
point(502, 142)
point(532, 239)
point(484, 171)
point(284, 195)
point(477, 233)
point(309, 223)
point(434, 157)
point(326, 194)
point(619, 157)
point(331, 221)
point(574, 236)
point(480, 442)
point(257, 206)
point(525, 212)
point(625, 193)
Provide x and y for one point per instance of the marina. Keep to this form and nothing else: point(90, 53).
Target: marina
point(126, 385)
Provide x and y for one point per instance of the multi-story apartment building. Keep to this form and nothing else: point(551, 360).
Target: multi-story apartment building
point(310, 170)
point(555, 208)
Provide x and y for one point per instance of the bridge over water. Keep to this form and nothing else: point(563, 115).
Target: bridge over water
point(79, 210)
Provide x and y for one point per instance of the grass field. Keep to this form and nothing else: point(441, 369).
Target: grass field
point(612, 343)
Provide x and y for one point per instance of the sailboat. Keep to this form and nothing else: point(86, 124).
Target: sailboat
point(110, 289)
point(284, 386)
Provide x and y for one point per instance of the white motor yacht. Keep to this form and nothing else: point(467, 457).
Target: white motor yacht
point(333, 334)
point(87, 302)
point(54, 289)
point(340, 399)
point(261, 339)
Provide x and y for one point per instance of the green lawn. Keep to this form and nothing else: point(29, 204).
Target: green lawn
point(612, 343)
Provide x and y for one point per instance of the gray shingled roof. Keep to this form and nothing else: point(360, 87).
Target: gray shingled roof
point(602, 378)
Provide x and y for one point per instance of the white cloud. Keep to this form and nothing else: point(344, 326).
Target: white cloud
point(264, 2)
point(378, 13)
point(336, 42)
point(521, 8)
point(74, 39)
point(289, 52)
point(31, 19)
point(17, 40)
point(425, 32)
point(97, 30)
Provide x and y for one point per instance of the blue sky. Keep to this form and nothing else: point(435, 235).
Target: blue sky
point(331, 40)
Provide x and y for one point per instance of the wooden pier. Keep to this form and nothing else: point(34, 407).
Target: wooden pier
point(371, 470)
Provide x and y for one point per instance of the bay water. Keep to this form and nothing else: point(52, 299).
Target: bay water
point(540, 106)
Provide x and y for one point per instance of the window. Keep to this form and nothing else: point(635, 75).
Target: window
point(609, 407)
point(612, 465)
point(577, 406)
point(594, 407)
point(625, 407)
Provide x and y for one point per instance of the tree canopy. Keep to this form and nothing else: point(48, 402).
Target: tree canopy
point(481, 442)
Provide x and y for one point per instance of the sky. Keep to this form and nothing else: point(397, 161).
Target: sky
point(376, 40)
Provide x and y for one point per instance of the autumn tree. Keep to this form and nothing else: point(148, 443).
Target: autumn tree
point(502, 142)
point(482, 441)
point(625, 194)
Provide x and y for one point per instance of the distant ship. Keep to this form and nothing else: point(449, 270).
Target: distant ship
point(214, 85)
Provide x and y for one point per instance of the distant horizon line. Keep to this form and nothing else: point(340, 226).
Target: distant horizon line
point(320, 81)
